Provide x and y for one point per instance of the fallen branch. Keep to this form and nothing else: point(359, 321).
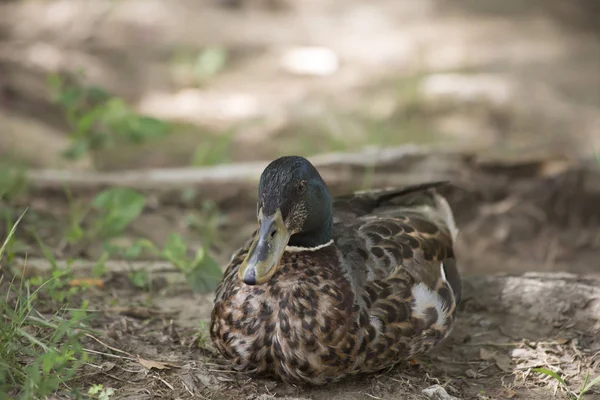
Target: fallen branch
point(393, 159)
point(344, 172)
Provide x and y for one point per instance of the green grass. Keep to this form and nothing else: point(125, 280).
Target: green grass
point(573, 395)
point(41, 354)
point(38, 354)
point(43, 321)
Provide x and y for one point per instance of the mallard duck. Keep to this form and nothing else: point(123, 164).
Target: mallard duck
point(327, 288)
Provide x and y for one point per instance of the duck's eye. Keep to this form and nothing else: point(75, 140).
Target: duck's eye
point(301, 186)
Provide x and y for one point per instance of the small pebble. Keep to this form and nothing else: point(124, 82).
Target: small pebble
point(436, 392)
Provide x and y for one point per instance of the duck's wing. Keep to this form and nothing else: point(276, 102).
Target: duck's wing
point(386, 233)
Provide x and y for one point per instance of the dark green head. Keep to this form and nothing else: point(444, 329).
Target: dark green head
point(293, 185)
point(294, 208)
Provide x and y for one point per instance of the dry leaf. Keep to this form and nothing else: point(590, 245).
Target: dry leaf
point(208, 381)
point(95, 282)
point(149, 364)
point(107, 366)
point(503, 362)
point(507, 393)
point(188, 383)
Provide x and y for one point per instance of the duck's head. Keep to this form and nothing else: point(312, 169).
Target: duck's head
point(294, 209)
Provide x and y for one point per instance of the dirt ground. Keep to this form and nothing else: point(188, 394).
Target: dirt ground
point(489, 356)
point(531, 85)
point(509, 322)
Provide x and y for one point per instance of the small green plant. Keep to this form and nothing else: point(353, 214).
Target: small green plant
point(38, 355)
point(201, 270)
point(139, 278)
point(57, 289)
point(115, 209)
point(214, 149)
point(133, 251)
point(203, 333)
point(78, 210)
point(587, 385)
point(100, 392)
point(118, 208)
point(99, 120)
point(197, 68)
point(206, 221)
point(209, 63)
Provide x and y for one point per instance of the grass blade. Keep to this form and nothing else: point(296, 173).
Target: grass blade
point(11, 234)
point(589, 385)
point(551, 374)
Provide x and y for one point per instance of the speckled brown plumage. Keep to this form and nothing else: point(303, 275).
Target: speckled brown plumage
point(386, 290)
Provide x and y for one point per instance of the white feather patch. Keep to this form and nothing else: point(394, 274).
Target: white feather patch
point(448, 215)
point(376, 323)
point(443, 272)
point(296, 249)
point(426, 298)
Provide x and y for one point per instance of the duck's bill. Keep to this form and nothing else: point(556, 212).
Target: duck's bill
point(266, 250)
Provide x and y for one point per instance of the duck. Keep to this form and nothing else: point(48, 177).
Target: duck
point(327, 288)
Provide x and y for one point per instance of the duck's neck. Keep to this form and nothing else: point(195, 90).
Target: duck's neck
point(314, 239)
point(296, 249)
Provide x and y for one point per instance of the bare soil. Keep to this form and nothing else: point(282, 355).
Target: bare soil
point(501, 335)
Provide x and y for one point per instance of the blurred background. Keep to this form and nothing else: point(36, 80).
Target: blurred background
point(238, 80)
